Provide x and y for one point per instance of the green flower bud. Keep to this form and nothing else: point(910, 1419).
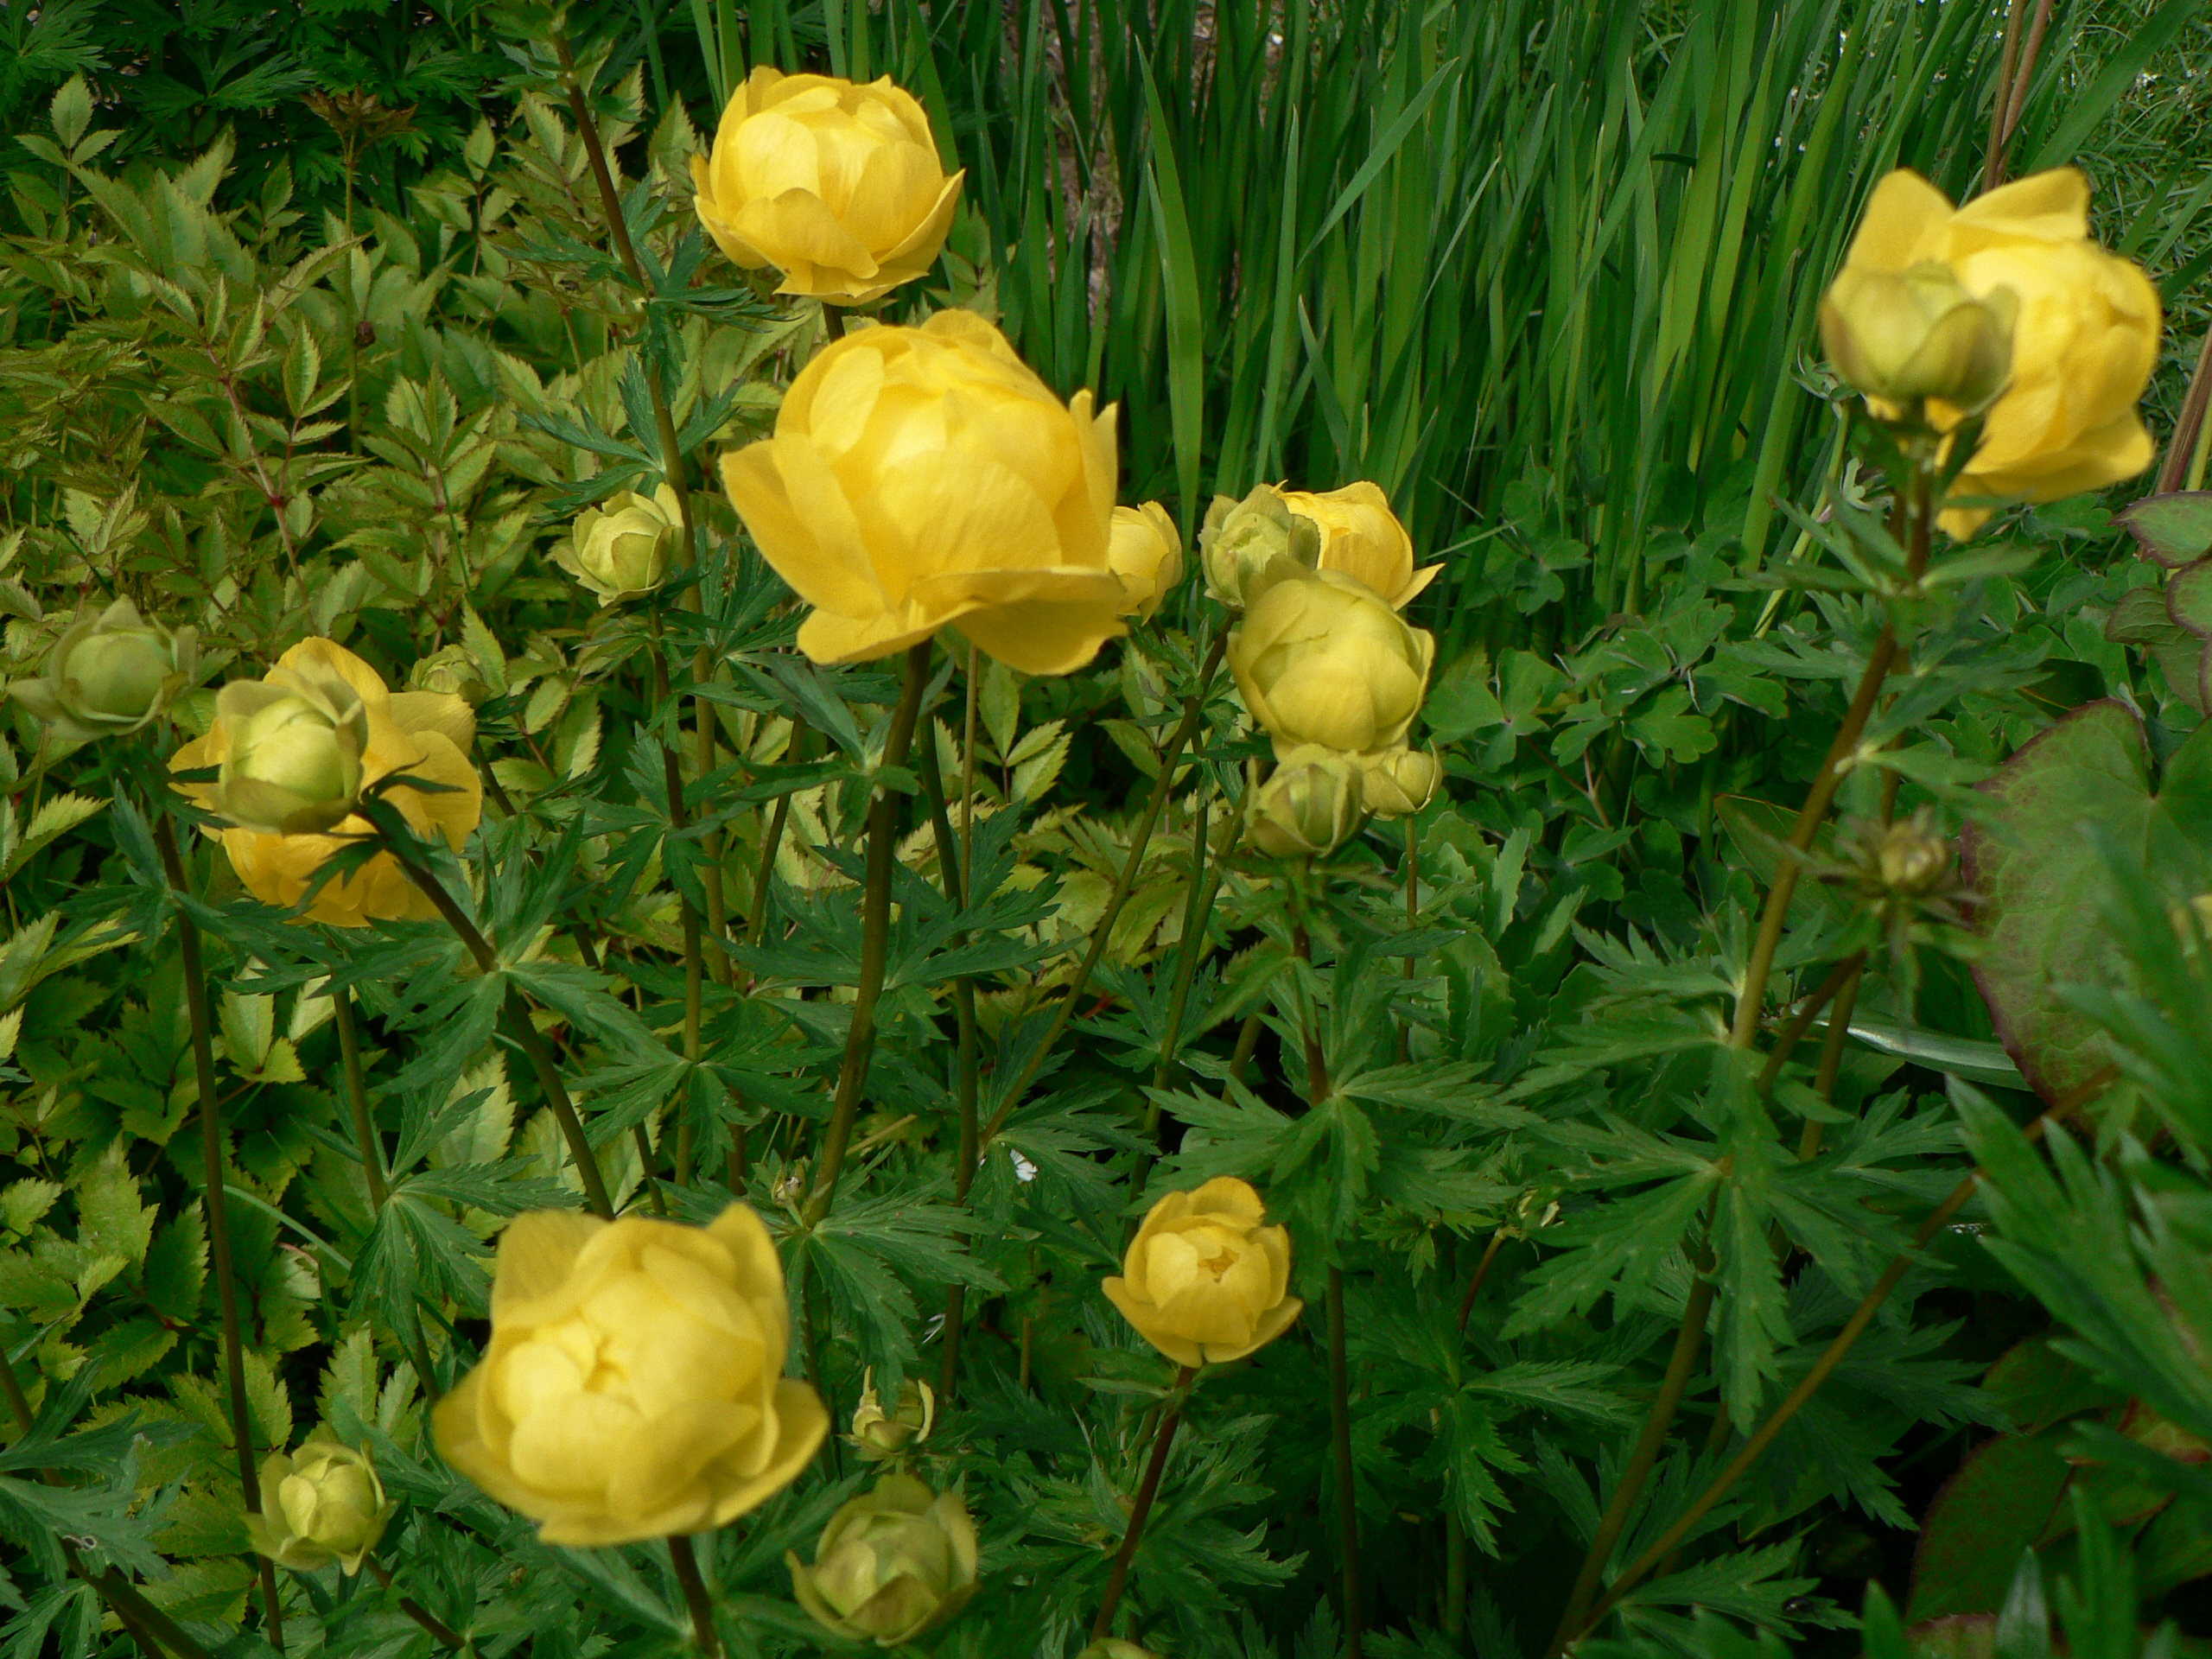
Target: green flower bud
point(290, 749)
point(1399, 782)
point(1908, 335)
point(891, 1565)
point(323, 1504)
point(1112, 1647)
point(1248, 546)
point(450, 669)
point(877, 1434)
point(109, 674)
point(1310, 805)
point(623, 547)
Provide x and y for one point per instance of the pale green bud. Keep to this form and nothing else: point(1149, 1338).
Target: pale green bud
point(1908, 335)
point(1309, 806)
point(288, 752)
point(877, 1434)
point(1399, 782)
point(892, 1564)
point(321, 1504)
point(624, 547)
point(1248, 546)
point(109, 674)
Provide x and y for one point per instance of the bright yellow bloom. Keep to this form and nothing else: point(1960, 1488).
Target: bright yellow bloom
point(923, 476)
point(622, 547)
point(423, 733)
point(893, 1564)
point(1361, 537)
point(634, 1385)
point(1203, 1281)
point(838, 186)
point(1146, 551)
point(1309, 806)
point(109, 674)
point(1324, 659)
point(321, 1504)
point(2084, 343)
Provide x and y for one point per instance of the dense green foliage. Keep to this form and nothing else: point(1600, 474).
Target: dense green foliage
point(1549, 274)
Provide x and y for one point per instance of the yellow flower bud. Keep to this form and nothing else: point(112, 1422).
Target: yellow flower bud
point(892, 1564)
point(1203, 1281)
point(1324, 660)
point(109, 674)
point(1399, 782)
point(422, 733)
point(323, 1504)
point(926, 476)
point(451, 671)
point(1146, 551)
point(623, 547)
point(1911, 861)
point(1309, 806)
point(2083, 343)
point(835, 184)
point(1112, 1647)
point(877, 1434)
point(634, 1387)
point(1248, 546)
point(1902, 337)
point(1361, 537)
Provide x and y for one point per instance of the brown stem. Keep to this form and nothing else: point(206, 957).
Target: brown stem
point(2023, 76)
point(218, 1212)
point(515, 1014)
point(1140, 1511)
point(439, 1629)
point(1832, 1047)
point(1481, 1272)
point(1824, 1367)
point(1992, 166)
point(875, 938)
point(2181, 449)
point(1689, 1337)
point(1140, 838)
point(694, 1597)
point(1752, 998)
point(1845, 972)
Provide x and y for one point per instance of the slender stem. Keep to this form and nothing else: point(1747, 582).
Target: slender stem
point(953, 880)
point(1824, 1367)
point(875, 937)
point(1140, 839)
point(1689, 1337)
point(1340, 1436)
point(694, 1597)
point(515, 1014)
point(218, 1212)
point(1481, 1272)
point(968, 777)
point(2000, 101)
point(795, 752)
point(1205, 885)
point(1752, 998)
point(1845, 973)
point(357, 1095)
point(1832, 1047)
point(833, 323)
point(710, 847)
point(1140, 1511)
point(1455, 1574)
point(439, 1629)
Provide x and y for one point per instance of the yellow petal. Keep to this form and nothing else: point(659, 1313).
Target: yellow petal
point(317, 656)
point(1035, 622)
point(1225, 1195)
point(795, 510)
point(536, 1255)
point(1904, 217)
point(801, 1422)
point(2054, 205)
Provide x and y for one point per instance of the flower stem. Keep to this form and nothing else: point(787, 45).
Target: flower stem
point(1832, 1356)
point(695, 972)
point(429, 1621)
point(357, 1096)
point(1140, 1511)
point(953, 880)
point(1481, 1272)
point(219, 1226)
point(1140, 839)
point(694, 1597)
point(1750, 1000)
point(514, 1013)
point(1689, 1337)
point(875, 937)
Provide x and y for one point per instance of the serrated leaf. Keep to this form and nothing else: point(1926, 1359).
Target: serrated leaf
point(57, 817)
point(249, 1026)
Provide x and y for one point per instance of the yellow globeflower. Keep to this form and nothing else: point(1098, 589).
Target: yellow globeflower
point(1361, 537)
point(634, 1385)
point(320, 1505)
point(923, 476)
point(2084, 341)
point(1146, 551)
point(838, 186)
point(622, 547)
point(109, 674)
point(1324, 659)
point(1309, 806)
point(1203, 1281)
point(422, 733)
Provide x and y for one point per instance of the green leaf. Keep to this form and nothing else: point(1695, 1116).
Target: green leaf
point(1972, 1536)
point(2175, 529)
